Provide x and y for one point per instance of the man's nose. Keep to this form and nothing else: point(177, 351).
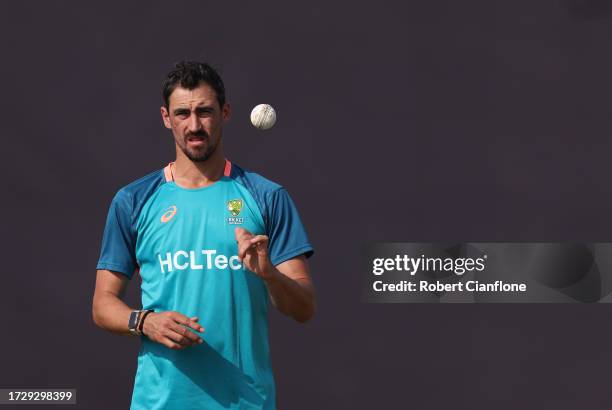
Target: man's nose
point(194, 124)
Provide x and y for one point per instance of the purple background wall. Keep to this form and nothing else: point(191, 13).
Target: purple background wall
point(413, 121)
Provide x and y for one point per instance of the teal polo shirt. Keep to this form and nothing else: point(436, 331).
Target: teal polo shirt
point(182, 242)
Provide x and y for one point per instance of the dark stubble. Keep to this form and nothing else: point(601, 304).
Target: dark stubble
point(199, 155)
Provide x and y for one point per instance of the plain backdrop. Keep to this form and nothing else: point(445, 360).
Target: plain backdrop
point(406, 121)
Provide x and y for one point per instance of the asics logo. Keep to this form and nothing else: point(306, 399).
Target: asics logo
point(169, 214)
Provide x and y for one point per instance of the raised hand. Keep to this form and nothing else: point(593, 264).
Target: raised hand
point(253, 252)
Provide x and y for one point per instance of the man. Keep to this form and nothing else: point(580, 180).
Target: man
point(213, 244)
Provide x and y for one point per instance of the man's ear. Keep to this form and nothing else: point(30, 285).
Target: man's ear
point(166, 117)
point(226, 112)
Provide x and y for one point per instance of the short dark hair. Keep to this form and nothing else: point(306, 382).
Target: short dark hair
point(189, 75)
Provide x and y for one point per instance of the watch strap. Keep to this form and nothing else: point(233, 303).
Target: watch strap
point(142, 318)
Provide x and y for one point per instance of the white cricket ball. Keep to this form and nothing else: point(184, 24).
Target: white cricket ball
point(263, 116)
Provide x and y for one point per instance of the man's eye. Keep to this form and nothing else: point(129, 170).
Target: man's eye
point(182, 114)
point(203, 113)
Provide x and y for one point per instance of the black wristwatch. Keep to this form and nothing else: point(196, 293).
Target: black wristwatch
point(133, 323)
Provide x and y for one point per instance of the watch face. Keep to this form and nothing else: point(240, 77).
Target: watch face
point(133, 320)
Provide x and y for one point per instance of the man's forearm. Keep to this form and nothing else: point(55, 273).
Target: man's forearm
point(291, 296)
point(111, 313)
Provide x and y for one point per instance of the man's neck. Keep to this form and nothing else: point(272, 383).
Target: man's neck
point(189, 174)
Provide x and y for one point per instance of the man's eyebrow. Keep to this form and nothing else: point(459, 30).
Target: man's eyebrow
point(180, 110)
point(201, 107)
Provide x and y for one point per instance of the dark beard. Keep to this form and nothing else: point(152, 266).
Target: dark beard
point(199, 156)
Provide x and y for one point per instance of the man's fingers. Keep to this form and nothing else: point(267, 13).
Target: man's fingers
point(243, 248)
point(238, 232)
point(173, 341)
point(194, 322)
point(186, 336)
point(177, 337)
point(242, 237)
point(241, 234)
point(169, 343)
point(256, 243)
point(259, 239)
point(186, 321)
point(173, 330)
point(260, 244)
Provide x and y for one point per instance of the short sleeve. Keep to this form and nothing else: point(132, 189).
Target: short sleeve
point(285, 230)
point(118, 243)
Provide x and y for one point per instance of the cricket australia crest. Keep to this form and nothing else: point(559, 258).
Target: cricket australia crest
point(234, 206)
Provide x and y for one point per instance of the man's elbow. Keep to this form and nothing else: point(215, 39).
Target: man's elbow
point(95, 316)
point(96, 313)
point(306, 314)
